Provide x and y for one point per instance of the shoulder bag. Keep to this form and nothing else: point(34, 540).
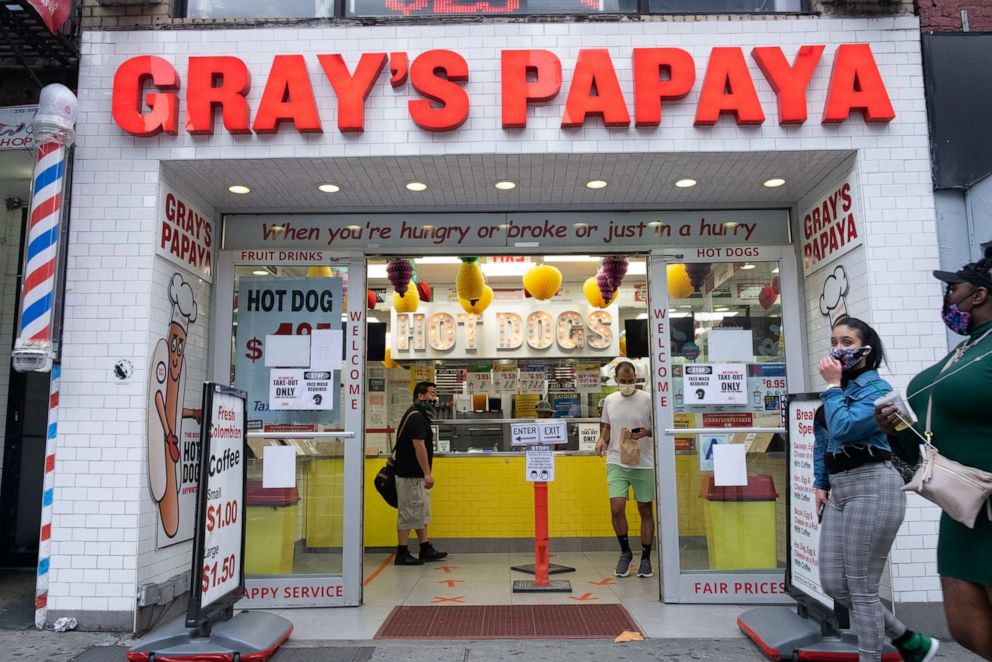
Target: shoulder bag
point(960, 491)
point(385, 480)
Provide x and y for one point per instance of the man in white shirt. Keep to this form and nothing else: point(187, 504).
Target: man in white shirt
point(629, 411)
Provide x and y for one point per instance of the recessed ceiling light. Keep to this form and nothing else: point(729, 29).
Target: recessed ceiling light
point(597, 184)
point(730, 225)
point(686, 183)
point(774, 182)
point(354, 227)
point(416, 186)
point(259, 272)
point(721, 309)
point(654, 224)
point(748, 266)
point(580, 225)
point(239, 189)
point(505, 185)
point(329, 188)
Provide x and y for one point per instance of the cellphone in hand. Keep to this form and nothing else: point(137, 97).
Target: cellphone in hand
point(636, 430)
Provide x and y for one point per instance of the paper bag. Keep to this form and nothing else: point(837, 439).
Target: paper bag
point(630, 448)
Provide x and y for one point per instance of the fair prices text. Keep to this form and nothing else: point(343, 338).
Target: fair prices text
point(739, 588)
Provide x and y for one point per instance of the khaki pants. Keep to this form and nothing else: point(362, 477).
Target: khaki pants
point(414, 507)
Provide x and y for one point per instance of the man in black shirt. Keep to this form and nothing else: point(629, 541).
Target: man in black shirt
point(414, 480)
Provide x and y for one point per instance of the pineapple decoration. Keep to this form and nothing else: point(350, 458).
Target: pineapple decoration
point(542, 281)
point(480, 304)
point(320, 272)
point(470, 282)
point(408, 302)
point(680, 284)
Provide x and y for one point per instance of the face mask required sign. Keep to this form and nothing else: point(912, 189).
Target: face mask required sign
point(715, 384)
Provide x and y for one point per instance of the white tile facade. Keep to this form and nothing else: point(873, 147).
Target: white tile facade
point(101, 527)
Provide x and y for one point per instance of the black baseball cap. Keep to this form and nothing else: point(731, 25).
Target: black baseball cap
point(970, 273)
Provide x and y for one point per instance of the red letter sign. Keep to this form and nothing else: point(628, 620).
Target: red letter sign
point(728, 88)
point(856, 84)
point(650, 90)
point(518, 92)
point(288, 96)
point(126, 106)
point(789, 83)
point(594, 70)
point(435, 75)
point(352, 91)
point(202, 95)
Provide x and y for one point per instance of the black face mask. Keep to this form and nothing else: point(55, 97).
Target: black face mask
point(426, 406)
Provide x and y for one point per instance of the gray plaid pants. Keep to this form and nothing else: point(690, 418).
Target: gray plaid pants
point(861, 519)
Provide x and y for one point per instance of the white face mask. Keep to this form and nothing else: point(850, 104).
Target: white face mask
point(628, 389)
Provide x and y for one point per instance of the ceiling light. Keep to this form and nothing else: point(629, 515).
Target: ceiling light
point(376, 272)
point(655, 224)
point(730, 225)
point(259, 272)
point(774, 182)
point(496, 269)
point(721, 309)
point(748, 266)
point(439, 259)
point(329, 188)
point(416, 186)
point(580, 225)
point(353, 228)
point(505, 185)
point(239, 189)
point(596, 184)
point(686, 183)
point(570, 258)
point(775, 270)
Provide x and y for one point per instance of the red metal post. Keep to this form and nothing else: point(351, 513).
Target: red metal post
point(541, 534)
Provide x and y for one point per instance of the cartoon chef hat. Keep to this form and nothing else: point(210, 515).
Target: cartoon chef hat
point(833, 298)
point(183, 304)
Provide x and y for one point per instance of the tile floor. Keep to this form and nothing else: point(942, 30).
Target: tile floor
point(486, 579)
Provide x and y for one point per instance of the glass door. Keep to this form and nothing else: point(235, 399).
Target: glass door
point(721, 330)
point(296, 346)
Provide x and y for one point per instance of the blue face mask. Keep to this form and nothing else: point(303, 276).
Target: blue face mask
point(848, 356)
point(955, 319)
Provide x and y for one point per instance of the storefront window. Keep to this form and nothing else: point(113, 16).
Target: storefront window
point(724, 6)
point(287, 354)
point(260, 8)
point(728, 354)
point(495, 7)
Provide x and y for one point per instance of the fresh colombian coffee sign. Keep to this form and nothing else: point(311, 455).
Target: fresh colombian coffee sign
point(146, 92)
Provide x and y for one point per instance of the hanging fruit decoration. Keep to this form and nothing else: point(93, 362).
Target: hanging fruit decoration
point(767, 297)
point(372, 300)
point(400, 272)
point(623, 344)
point(320, 272)
point(388, 361)
point(606, 289)
point(480, 304)
point(679, 282)
point(470, 282)
point(542, 281)
point(595, 298)
point(698, 271)
point(776, 285)
point(615, 268)
point(408, 302)
point(425, 291)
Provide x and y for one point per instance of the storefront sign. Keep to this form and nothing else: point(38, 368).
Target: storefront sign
point(302, 238)
point(535, 329)
point(287, 306)
point(715, 384)
point(831, 226)
point(540, 464)
point(804, 524)
point(218, 553)
point(588, 436)
point(504, 379)
point(735, 588)
point(552, 432)
point(309, 591)
point(587, 380)
point(728, 420)
point(185, 235)
point(15, 127)
point(146, 89)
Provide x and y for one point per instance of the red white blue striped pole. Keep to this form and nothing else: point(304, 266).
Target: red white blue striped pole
point(34, 350)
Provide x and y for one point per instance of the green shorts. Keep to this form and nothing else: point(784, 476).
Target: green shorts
point(620, 479)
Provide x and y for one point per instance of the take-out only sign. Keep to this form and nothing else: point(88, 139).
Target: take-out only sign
point(146, 89)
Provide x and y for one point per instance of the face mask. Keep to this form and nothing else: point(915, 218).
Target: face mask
point(628, 389)
point(427, 406)
point(849, 357)
point(955, 319)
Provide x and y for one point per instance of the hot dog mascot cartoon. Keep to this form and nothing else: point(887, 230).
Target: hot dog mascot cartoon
point(167, 389)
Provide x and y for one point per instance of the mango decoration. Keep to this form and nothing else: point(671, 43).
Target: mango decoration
point(320, 272)
point(408, 302)
point(480, 305)
point(388, 361)
point(679, 284)
point(470, 282)
point(593, 295)
point(542, 281)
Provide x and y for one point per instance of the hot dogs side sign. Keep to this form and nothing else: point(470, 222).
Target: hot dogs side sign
point(146, 92)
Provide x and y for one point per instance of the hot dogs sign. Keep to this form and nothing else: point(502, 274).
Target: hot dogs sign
point(173, 428)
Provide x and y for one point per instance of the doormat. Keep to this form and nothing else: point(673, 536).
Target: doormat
point(507, 622)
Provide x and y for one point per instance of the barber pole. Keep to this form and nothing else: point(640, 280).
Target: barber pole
point(45, 539)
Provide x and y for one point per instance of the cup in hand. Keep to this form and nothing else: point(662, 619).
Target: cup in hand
point(894, 399)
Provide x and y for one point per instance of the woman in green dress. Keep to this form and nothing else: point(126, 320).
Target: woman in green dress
point(960, 386)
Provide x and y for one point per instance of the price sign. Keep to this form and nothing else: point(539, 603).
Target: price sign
point(479, 382)
point(218, 577)
point(505, 381)
point(532, 383)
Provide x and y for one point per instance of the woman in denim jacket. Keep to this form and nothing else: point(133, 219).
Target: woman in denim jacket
point(857, 492)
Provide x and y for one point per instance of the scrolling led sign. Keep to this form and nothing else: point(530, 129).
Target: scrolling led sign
point(146, 89)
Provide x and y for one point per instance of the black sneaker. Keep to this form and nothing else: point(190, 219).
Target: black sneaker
point(623, 565)
point(644, 569)
point(406, 558)
point(428, 553)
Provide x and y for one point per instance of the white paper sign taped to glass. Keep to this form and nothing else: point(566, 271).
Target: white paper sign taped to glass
point(285, 306)
point(540, 465)
point(715, 384)
point(588, 436)
point(300, 390)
